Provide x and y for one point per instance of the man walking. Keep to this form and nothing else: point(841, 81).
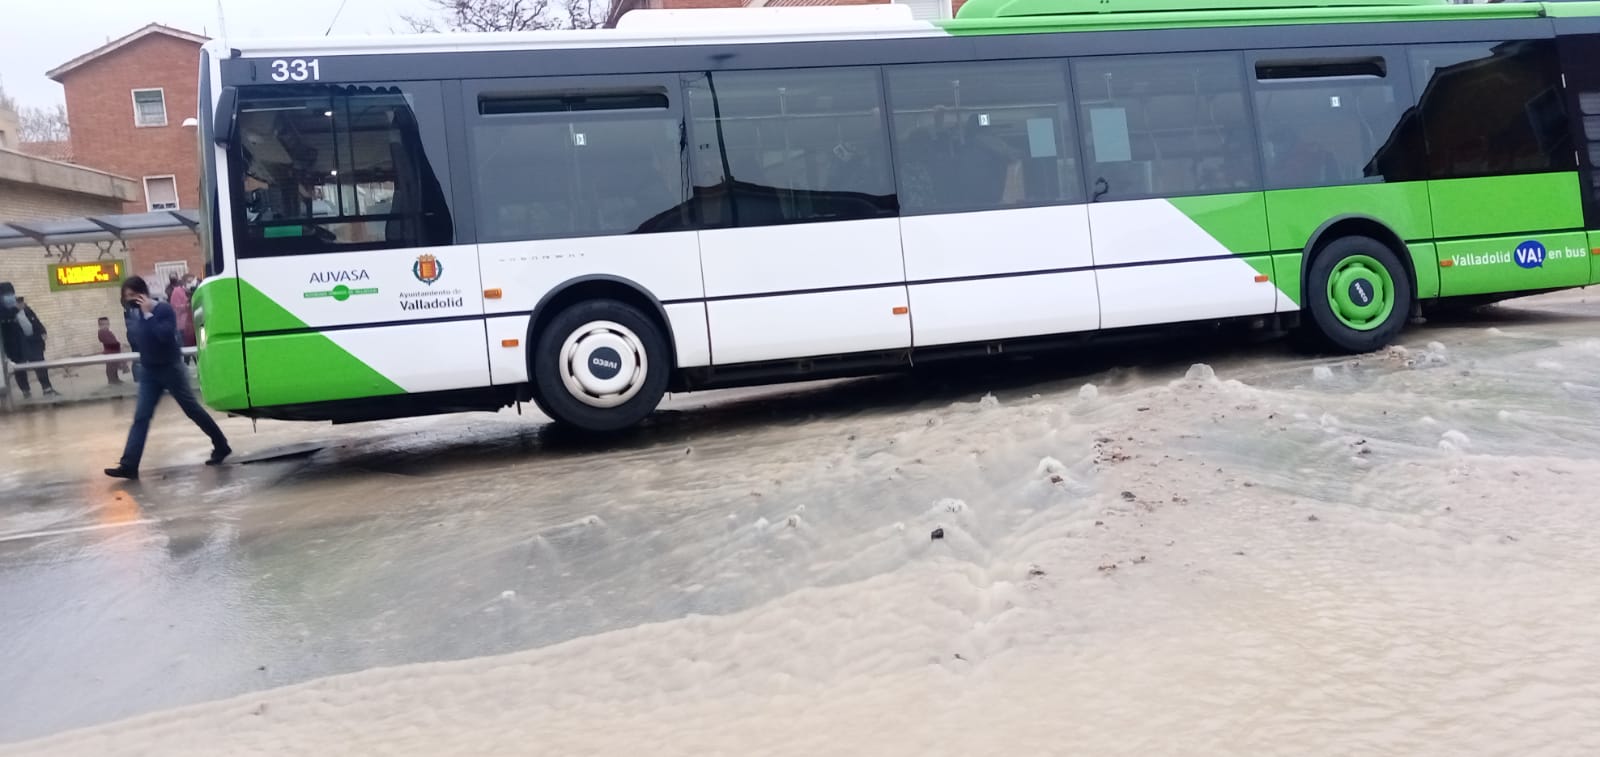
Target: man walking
point(24, 337)
point(154, 335)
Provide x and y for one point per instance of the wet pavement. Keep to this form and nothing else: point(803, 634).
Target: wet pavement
point(332, 549)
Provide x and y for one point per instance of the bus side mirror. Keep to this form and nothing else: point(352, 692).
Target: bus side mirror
point(227, 117)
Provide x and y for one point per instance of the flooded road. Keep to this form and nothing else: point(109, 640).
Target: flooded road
point(1263, 554)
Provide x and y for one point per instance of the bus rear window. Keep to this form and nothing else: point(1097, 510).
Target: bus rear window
point(1322, 68)
point(500, 104)
point(325, 169)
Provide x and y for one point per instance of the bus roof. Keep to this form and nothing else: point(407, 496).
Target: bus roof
point(1150, 14)
point(648, 28)
point(1072, 7)
point(640, 28)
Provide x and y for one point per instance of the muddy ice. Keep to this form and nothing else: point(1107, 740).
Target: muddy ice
point(1237, 551)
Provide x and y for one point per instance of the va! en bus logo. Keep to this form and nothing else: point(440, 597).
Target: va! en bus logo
point(1530, 254)
point(427, 269)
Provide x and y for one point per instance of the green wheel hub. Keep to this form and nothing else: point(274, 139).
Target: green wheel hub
point(1361, 292)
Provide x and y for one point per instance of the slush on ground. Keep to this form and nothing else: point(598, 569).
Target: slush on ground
point(1175, 549)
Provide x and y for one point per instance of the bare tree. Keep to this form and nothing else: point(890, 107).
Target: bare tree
point(43, 124)
point(509, 15)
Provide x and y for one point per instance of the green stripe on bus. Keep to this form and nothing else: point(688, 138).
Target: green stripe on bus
point(1571, 10)
point(1294, 215)
point(1286, 273)
point(292, 369)
point(220, 365)
point(1039, 16)
point(221, 369)
point(1594, 260)
point(1237, 221)
point(1506, 204)
point(261, 313)
point(1425, 261)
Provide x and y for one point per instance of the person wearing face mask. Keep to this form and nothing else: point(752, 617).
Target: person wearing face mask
point(24, 335)
point(154, 333)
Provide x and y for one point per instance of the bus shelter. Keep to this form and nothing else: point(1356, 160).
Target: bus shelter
point(83, 252)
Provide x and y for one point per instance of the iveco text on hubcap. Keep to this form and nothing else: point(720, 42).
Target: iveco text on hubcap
point(1361, 292)
point(603, 364)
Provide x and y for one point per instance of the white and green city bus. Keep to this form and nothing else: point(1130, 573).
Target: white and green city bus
point(410, 225)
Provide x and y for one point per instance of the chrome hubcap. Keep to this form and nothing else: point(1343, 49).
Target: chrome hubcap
point(603, 364)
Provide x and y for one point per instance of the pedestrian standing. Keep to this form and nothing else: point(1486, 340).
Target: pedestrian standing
point(155, 336)
point(178, 297)
point(24, 335)
point(110, 346)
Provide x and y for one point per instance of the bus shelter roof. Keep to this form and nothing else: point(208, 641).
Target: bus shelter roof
point(91, 229)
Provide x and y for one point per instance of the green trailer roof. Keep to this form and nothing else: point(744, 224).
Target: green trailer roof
point(979, 16)
point(1069, 7)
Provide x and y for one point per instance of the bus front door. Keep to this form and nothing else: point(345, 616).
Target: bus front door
point(351, 285)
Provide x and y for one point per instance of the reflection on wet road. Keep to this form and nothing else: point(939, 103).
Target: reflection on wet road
point(328, 550)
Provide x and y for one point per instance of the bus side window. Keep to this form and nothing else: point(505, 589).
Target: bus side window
point(1164, 125)
point(1337, 118)
point(801, 144)
point(552, 165)
point(1491, 109)
point(984, 135)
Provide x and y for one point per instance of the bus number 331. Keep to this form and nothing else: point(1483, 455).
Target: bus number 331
point(297, 70)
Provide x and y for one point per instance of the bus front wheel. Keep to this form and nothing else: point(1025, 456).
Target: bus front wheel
point(1358, 295)
point(600, 366)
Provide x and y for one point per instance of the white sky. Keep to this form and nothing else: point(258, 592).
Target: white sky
point(38, 36)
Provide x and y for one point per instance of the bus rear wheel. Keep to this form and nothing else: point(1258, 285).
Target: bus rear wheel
point(1358, 295)
point(600, 366)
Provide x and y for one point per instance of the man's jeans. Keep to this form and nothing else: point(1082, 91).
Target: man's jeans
point(33, 352)
point(173, 380)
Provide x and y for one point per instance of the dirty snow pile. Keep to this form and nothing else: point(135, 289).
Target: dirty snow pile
point(1396, 555)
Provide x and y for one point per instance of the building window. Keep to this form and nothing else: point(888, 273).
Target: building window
point(1163, 125)
point(981, 136)
point(774, 147)
point(169, 270)
point(929, 10)
point(149, 107)
point(161, 193)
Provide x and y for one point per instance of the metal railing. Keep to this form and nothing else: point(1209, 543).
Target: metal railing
point(73, 362)
point(9, 369)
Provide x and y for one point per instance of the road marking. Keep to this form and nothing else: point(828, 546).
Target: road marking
point(77, 530)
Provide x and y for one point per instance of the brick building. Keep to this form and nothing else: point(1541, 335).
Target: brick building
point(921, 9)
point(127, 101)
point(33, 188)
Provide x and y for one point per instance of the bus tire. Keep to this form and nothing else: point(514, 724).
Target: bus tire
point(600, 366)
point(1358, 295)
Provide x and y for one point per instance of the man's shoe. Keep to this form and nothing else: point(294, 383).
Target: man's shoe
point(51, 393)
point(123, 472)
point(218, 455)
